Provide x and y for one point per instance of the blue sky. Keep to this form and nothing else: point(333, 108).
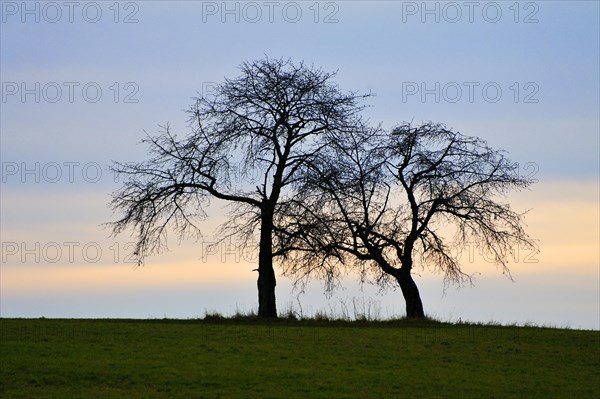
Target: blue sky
point(545, 61)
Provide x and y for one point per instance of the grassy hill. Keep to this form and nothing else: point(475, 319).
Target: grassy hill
point(246, 358)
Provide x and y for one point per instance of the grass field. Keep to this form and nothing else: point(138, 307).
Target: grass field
point(46, 358)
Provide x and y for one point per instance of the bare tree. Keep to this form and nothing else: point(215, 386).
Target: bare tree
point(382, 202)
point(269, 122)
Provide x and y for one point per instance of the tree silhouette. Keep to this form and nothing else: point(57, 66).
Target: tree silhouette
point(382, 202)
point(269, 122)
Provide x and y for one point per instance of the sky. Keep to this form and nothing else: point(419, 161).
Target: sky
point(83, 81)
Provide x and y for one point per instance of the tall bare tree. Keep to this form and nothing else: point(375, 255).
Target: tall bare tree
point(269, 122)
point(380, 202)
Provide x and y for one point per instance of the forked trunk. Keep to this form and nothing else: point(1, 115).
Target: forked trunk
point(266, 274)
point(414, 306)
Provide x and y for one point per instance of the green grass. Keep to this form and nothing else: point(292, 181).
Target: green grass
point(246, 358)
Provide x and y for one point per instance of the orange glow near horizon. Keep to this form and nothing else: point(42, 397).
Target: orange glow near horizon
point(564, 218)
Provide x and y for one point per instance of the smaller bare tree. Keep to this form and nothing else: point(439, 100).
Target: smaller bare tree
point(381, 203)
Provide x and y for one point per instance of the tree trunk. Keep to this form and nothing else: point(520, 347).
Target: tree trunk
point(414, 306)
point(266, 274)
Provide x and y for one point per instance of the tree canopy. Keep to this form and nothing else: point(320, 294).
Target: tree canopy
point(319, 188)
